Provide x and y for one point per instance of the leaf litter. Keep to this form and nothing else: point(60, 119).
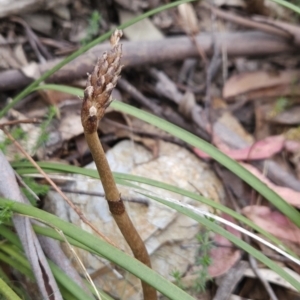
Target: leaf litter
point(244, 100)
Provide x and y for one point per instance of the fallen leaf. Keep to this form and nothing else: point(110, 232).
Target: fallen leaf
point(20, 55)
point(289, 195)
point(273, 277)
point(290, 116)
point(188, 18)
point(292, 146)
point(224, 255)
point(55, 97)
point(246, 82)
point(274, 91)
point(7, 59)
point(234, 3)
point(144, 30)
point(260, 150)
point(273, 222)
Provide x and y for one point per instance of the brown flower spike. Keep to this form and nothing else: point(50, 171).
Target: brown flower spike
point(97, 94)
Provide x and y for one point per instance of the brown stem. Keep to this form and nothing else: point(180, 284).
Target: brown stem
point(106, 177)
point(96, 98)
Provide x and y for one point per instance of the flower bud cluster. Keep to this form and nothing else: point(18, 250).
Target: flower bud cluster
point(100, 83)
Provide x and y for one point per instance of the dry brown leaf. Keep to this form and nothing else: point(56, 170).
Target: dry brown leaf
point(20, 55)
point(81, 145)
point(54, 97)
point(273, 222)
point(7, 59)
point(273, 277)
point(290, 116)
point(40, 22)
point(144, 30)
point(31, 70)
point(259, 150)
point(229, 132)
point(188, 18)
point(289, 195)
point(234, 3)
point(252, 81)
point(224, 255)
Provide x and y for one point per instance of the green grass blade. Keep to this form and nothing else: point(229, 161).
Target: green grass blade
point(60, 276)
point(197, 142)
point(235, 240)
point(102, 248)
point(206, 201)
point(4, 276)
point(18, 291)
point(10, 236)
point(16, 265)
point(216, 154)
point(7, 292)
point(74, 289)
point(16, 254)
point(83, 49)
point(23, 168)
point(289, 5)
point(27, 168)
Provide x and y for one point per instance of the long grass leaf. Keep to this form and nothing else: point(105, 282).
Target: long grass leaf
point(7, 292)
point(102, 248)
point(76, 291)
point(23, 168)
point(216, 154)
point(235, 240)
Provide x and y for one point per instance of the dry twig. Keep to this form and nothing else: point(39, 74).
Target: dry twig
point(250, 43)
point(15, 122)
point(45, 280)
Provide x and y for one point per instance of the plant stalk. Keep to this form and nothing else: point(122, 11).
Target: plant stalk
point(117, 208)
point(96, 99)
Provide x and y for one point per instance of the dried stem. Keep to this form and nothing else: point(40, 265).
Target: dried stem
point(24, 121)
point(97, 97)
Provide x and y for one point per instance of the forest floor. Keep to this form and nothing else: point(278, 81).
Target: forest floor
point(227, 71)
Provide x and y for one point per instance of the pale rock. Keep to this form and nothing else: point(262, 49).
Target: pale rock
point(170, 237)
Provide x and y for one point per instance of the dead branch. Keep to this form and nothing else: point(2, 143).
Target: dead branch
point(32, 248)
point(249, 43)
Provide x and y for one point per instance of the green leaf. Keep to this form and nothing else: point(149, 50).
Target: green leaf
point(235, 240)
point(24, 168)
point(199, 143)
point(64, 281)
point(216, 154)
point(7, 292)
point(103, 249)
